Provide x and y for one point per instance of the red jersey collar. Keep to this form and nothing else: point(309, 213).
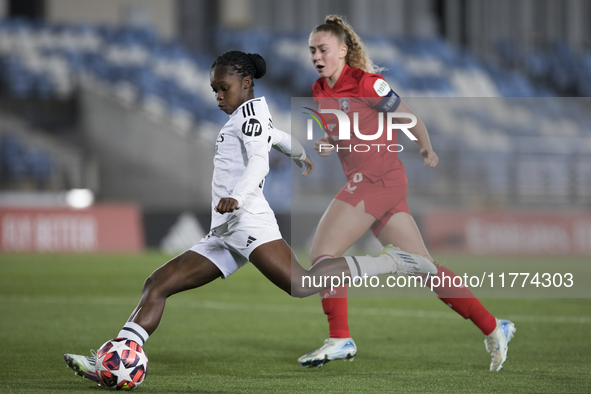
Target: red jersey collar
point(339, 82)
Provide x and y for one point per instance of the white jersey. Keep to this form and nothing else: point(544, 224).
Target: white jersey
point(245, 139)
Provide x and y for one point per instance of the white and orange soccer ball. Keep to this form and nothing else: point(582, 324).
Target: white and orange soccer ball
point(121, 364)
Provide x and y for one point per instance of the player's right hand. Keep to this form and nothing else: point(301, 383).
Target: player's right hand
point(226, 205)
point(324, 146)
point(430, 156)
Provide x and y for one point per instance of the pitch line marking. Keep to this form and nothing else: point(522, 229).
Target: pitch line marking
point(279, 308)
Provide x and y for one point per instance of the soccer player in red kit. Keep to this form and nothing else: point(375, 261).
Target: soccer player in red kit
point(375, 195)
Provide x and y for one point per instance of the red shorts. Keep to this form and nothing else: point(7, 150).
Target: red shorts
point(380, 201)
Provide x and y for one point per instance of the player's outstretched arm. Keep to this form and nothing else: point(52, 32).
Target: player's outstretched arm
point(291, 147)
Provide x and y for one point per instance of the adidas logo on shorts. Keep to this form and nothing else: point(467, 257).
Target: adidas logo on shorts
point(250, 240)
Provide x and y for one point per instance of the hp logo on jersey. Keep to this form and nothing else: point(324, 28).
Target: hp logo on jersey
point(252, 128)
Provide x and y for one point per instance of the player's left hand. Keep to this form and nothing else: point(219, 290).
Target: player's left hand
point(308, 163)
point(430, 156)
point(226, 204)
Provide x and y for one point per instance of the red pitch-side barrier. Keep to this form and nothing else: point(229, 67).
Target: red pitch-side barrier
point(508, 232)
point(101, 228)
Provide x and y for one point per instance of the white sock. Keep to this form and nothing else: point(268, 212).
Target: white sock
point(370, 266)
point(135, 332)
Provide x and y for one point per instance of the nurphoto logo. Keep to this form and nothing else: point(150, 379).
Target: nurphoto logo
point(345, 131)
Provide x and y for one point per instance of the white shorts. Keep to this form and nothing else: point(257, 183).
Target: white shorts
point(229, 245)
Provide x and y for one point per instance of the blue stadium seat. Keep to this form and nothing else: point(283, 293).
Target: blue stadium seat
point(12, 156)
point(508, 53)
point(538, 64)
point(40, 164)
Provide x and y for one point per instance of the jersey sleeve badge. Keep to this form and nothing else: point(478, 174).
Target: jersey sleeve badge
point(381, 87)
point(389, 100)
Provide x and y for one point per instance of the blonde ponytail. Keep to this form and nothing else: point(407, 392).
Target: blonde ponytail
point(356, 54)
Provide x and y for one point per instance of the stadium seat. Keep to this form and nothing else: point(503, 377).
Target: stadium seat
point(40, 165)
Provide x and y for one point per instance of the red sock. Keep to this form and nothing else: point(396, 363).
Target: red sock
point(334, 304)
point(463, 301)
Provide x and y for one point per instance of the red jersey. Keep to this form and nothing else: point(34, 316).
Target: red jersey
point(366, 94)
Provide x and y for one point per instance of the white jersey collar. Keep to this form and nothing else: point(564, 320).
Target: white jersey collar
point(262, 98)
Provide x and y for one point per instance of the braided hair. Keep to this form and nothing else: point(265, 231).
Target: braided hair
point(245, 64)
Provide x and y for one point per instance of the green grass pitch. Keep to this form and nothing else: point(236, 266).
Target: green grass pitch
point(243, 335)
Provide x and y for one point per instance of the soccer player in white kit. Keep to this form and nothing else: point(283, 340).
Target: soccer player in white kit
point(243, 226)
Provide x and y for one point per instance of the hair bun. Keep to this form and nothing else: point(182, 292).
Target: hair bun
point(260, 65)
point(334, 19)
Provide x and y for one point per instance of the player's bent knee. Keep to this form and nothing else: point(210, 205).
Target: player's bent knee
point(148, 284)
point(149, 291)
point(154, 287)
point(300, 293)
point(299, 290)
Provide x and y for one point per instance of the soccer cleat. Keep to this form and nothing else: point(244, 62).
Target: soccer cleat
point(82, 365)
point(333, 349)
point(409, 263)
point(497, 343)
